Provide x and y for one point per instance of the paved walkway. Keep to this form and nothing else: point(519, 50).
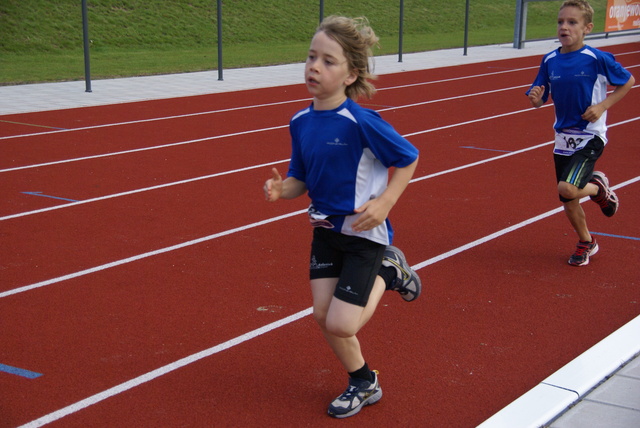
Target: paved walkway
point(604, 381)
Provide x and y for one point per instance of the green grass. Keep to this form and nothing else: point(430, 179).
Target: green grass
point(41, 40)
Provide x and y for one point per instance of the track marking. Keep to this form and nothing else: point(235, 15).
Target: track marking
point(54, 416)
point(155, 119)
point(143, 149)
point(19, 372)
point(216, 349)
point(276, 103)
point(254, 131)
point(147, 254)
point(48, 196)
point(615, 236)
point(147, 377)
point(32, 125)
point(486, 149)
point(274, 219)
point(190, 180)
point(217, 137)
point(144, 189)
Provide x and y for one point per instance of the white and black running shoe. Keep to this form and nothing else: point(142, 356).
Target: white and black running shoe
point(407, 283)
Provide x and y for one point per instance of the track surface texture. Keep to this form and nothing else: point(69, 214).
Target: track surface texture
point(146, 281)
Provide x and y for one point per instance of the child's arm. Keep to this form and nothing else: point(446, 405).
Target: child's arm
point(595, 111)
point(289, 188)
point(535, 96)
point(376, 210)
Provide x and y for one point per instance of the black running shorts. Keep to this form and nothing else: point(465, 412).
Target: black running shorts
point(578, 168)
point(353, 260)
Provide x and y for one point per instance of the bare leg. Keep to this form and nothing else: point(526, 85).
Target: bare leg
point(341, 321)
point(574, 210)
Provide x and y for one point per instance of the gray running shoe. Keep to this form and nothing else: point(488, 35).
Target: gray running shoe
point(360, 393)
point(407, 283)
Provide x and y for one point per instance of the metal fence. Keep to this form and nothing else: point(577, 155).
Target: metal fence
point(520, 28)
point(219, 11)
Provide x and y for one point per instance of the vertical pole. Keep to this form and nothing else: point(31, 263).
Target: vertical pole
point(517, 30)
point(400, 30)
point(321, 10)
point(219, 12)
point(523, 24)
point(466, 28)
point(85, 36)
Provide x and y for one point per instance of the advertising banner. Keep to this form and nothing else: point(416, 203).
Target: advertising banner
point(622, 15)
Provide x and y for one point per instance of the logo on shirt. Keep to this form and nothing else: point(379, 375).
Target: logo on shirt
point(553, 76)
point(582, 74)
point(336, 142)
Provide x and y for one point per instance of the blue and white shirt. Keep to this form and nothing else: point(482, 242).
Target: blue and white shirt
point(577, 80)
point(343, 156)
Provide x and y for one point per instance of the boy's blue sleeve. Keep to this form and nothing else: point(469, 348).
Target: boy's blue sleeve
point(542, 79)
point(615, 73)
point(385, 142)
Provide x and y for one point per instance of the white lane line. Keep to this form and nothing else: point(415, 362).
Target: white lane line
point(147, 377)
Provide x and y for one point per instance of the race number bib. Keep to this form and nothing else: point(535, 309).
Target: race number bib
point(569, 141)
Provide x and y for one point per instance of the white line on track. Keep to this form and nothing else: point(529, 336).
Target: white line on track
point(190, 180)
point(245, 227)
point(156, 119)
point(143, 149)
point(235, 134)
point(254, 131)
point(87, 402)
point(147, 377)
point(54, 416)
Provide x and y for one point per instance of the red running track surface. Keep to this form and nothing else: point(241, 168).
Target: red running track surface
point(162, 290)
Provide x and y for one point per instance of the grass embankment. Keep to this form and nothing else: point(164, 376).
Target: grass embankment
point(42, 40)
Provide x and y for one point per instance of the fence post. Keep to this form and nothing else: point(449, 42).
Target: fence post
point(321, 10)
point(520, 24)
point(466, 28)
point(85, 37)
point(400, 30)
point(219, 13)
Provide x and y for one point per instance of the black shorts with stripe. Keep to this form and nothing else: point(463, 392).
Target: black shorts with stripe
point(578, 168)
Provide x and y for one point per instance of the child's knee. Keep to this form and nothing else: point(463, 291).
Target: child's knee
point(567, 192)
point(340, 330)
point(339, 327)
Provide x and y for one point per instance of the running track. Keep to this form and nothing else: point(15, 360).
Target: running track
point(146, 282)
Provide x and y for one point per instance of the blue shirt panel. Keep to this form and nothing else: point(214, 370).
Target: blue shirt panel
point(328, 148)
point(577, 80)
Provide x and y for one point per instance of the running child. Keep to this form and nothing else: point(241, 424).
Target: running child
point(341, 154)
point(576, 75)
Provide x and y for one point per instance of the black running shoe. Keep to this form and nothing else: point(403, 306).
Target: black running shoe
point(583, 251)
point(606, 198)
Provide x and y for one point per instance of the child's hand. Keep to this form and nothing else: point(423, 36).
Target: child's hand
point(535, 95)
point(273, 186)
point(374, 213)
point(593, 113)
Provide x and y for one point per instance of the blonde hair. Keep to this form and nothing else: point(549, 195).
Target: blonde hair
point(356, 38)
point(584, 6)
